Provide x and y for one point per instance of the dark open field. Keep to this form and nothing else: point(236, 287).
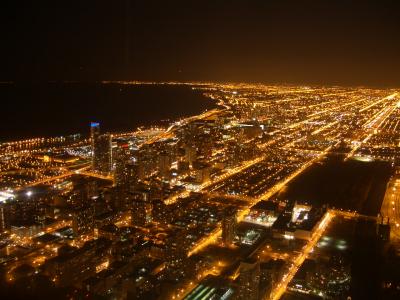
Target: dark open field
point(353, 185)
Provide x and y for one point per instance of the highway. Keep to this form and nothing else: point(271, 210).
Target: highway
point(390, 210)
point(280, 289)
point(169, 132)
point(53, 178)
point(212, 238)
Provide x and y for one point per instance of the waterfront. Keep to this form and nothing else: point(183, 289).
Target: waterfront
point(196, 200)
point(74, 105)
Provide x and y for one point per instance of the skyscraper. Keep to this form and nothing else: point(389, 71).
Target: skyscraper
point(121, 158)
point(83, 220)
point(249, 279)
point(141, 208)
point(228, 229)
point(101, 149)
point(94, 135)
point(164, 165)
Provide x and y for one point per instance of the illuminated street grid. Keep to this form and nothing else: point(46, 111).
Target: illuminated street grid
point(260, 139)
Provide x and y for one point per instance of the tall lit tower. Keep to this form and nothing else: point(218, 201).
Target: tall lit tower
point(101, 149)
point(229, 229)
point(121, 159)
point(94, 137)
point(249, 279)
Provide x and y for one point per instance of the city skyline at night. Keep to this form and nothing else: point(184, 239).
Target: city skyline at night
point(223, 185)
point(200, 150)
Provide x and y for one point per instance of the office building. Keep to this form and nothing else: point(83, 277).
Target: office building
point(249, 280)
point(229, 229)
point(121, 158)
point(83, 221)
point(101, 149)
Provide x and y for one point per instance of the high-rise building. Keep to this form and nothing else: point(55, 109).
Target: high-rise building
point(147, 159)
point(160, 212)
point(202, 172)
point(249, 280)
point(132, 172)
point(104, 153)
point(141, 212)
point(190, 154)
point(94, 135)
point(83, 220)
point(141, 208)
point(121, 158)
point(4, 216)
point(266, 281)
point(164, 165)
point(229, 229)
point(101, 149)
point(92, 190)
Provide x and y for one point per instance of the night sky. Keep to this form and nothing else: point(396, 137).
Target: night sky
point(322, 42)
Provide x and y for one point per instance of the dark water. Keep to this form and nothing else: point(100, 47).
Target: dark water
point(51, 109)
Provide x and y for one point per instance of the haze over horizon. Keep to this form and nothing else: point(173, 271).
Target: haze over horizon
point(297, 42)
